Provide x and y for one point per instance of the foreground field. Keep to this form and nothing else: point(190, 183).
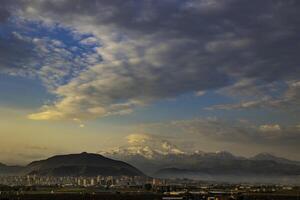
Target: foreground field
point(142, 196)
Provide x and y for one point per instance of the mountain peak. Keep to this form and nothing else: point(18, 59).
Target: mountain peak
point(145, 145)
point(2, 165)
point(265, 155)
point(223, 153)
point(271, 157)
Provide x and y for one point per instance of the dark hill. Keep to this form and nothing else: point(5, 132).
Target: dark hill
point(84, 164)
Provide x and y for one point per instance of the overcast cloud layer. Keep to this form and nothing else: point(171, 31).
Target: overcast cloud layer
point(142, 51)
point(120, 55)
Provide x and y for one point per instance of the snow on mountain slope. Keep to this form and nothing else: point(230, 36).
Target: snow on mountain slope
point(144, 145)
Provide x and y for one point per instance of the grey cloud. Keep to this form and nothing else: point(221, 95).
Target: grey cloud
point(38, 148)
point(288, 101)
point(7, 8)
point(4, 14)
point(254, 39)
point(236, 131)
point(160, 49)
point(47, 59)
point(16, 54)
point(240, 136)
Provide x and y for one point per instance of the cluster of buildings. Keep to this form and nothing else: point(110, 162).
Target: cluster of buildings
point(168, 188)
point(105, 181)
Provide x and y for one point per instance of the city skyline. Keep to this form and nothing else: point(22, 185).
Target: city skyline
point(174, 76)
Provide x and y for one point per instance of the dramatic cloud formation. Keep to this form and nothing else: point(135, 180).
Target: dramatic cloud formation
point(143, 51)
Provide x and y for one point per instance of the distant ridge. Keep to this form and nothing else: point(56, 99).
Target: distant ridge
point(268, 156)
point(10, 170)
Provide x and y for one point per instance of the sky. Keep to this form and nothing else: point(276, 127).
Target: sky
point(207, 75)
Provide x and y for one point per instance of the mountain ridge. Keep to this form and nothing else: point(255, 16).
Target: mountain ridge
point(269, 156)
point(132, 152)
point(10, 169)
point(214, 166)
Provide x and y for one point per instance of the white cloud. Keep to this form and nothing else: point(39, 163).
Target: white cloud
point(200, 93)
point(90, 41)
point(269, 128)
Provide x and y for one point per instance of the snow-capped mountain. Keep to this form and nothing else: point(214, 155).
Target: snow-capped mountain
point(151, 147)
point(143, 151)
point(146, 146)
point(161, 158)
point(150, 153)
point(150, 159)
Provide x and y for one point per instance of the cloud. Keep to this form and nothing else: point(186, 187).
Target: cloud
point(241, 105)
point(137, 138)
point(229, 131)
point(158, 50)
point(272, 130)
point(47, 59)
point(17, 55)
point(7, 9)
point(269, 127)
point(287, 101)
point(90, 41)
point(45, 115)
point(36, 147)
point(200, 93)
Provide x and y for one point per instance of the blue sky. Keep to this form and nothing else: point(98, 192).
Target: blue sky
point(217, 72)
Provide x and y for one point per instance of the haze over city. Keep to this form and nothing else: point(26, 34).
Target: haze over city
point(149, 77)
